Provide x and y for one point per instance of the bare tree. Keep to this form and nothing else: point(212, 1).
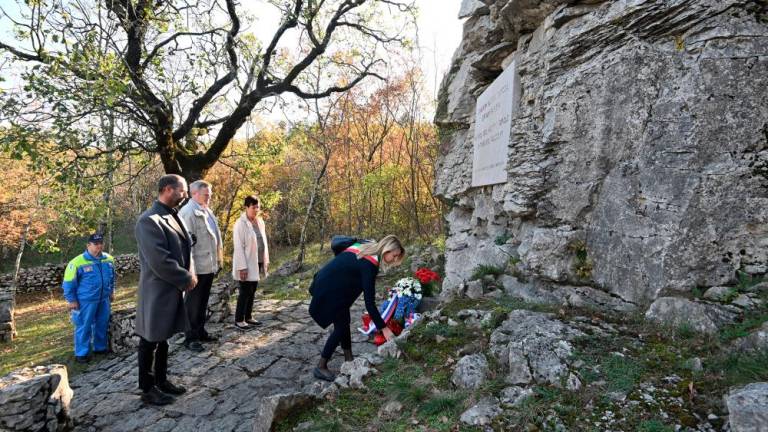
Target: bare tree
point(180, 76)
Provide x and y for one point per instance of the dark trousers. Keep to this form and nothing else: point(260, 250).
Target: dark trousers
point(152, 354)
point(196, 304)
point(340, 335)
point(246, 293)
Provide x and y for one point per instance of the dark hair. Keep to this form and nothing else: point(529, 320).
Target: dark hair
point(171, 180)
point(251, 200)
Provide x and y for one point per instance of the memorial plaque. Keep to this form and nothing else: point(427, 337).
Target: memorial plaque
point(493, 124)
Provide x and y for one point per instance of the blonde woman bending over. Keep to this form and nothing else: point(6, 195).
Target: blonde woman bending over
point(339, 283)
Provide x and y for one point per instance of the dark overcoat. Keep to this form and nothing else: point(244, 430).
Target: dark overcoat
point(166, 269)
point(339, 283)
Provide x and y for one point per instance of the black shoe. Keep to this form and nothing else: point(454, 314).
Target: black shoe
point(81, 359)
point(254, 322)
point(209, 338)
point(194, 346)
point(101, 352)
point(323, 374)
point(156, 397)
point(169, 388)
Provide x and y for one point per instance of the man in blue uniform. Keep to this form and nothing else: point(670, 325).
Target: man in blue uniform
point(89, 283)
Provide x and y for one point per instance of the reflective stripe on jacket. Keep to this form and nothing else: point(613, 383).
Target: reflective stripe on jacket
point(89, 279)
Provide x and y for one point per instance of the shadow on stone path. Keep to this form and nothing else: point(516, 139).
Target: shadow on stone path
point(227, 385)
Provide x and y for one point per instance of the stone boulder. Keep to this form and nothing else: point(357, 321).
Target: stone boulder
point(514, 396)
point(748, 408)
point(471, 372)
point(356, 370)
point(36, 399)
point(535, 347)
point(483, 413)
point(703, 317)
point(718, 293)
point(275, 408)
point(475, 318)
point(757, 340)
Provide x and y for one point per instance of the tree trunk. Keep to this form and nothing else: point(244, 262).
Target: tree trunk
point(16, 271)
point(313, 195)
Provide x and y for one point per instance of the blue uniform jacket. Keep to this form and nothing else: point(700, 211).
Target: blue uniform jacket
point(89, 279)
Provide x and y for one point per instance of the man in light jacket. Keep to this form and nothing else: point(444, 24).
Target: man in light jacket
point(250, 256)
point(207, 255)
point(167, 271)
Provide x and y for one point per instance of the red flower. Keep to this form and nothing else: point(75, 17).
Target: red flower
point(425, 275)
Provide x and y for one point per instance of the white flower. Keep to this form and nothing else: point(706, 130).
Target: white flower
point(408, 287)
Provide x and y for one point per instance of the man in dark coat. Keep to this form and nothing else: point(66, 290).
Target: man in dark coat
point(167, 272)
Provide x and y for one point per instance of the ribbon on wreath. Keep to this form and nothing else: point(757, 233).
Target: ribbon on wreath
point(386, 315)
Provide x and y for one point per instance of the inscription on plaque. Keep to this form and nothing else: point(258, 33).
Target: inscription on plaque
point(495, 109)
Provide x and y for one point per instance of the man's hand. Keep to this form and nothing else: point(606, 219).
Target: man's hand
point(192, 283)
point(243, 275)
point(388, 335)
point(73, 305)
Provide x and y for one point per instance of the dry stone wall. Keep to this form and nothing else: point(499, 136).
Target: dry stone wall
point(48, 277)
point(638, 155)
point(122, 325)
point(7, 327)
point(36, 399)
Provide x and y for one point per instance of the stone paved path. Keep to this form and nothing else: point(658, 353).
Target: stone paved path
point(226, 384)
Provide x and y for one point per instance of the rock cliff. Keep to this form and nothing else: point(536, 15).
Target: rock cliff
point(638, 154)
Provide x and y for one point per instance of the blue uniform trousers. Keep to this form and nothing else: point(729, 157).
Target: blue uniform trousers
point(92, 319)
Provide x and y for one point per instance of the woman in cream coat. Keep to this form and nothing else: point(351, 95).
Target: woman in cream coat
point(250, 258)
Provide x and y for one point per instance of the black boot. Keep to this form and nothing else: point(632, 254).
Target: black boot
point(156, 397)
point(322, 372)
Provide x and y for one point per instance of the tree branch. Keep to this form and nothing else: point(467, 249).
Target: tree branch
point(202, 101)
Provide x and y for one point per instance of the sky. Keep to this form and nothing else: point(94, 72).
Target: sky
point(439, 33)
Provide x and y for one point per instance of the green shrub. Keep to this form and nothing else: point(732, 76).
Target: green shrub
point(742, 368)
point(746, 281)
point(686, 331)
point(445, 405)
point(654, 426)
point(485, 269)
point(582, 265)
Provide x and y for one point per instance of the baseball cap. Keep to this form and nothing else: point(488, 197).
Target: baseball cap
point(96, 238)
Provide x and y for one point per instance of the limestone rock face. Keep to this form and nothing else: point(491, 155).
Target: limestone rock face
point(638, 157)
point(748, 408)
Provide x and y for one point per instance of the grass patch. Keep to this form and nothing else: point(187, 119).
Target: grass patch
point(744, 328)
point(654, 426)
point(686, 331)
point(741, 368)
point(442, 404)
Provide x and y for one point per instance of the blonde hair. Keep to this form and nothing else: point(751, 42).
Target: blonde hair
point(389, 243)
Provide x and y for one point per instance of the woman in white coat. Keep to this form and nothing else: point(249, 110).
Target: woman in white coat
point(250, 258)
